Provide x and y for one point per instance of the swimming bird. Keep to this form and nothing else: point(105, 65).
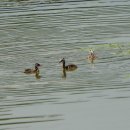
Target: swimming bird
point(70, 67)
point(32, 71)
point(92, 56)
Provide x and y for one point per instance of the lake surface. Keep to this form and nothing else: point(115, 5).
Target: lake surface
point(95, 96)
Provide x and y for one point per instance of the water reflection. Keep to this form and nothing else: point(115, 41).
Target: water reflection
point(64, 74)
point(37, 75)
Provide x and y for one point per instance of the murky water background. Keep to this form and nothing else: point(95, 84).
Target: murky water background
point(94, 97)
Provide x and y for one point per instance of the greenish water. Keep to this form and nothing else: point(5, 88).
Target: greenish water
point(94, 97)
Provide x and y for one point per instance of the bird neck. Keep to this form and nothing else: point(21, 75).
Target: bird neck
point(63, 63)
point(36, 69)
point(64, 73)
point(92, 54)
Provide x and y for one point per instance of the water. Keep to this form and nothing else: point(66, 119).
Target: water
point(94, 97)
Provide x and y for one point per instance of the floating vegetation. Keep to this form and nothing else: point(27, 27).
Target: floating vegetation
point(118, 48)
point(106, 45)
point(127, 76)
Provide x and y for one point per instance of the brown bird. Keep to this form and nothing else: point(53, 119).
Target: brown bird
point(70, 67)
point(33, 71)
point(91, 57)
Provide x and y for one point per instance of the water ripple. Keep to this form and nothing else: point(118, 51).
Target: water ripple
point(45, 31)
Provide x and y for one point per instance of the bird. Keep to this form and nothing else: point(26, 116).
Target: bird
point(33, 71)
point(92, 56)
point(70, 67)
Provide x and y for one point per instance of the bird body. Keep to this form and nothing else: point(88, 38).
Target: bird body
point(91, 57)
point(30, 71)
point(70, 67)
